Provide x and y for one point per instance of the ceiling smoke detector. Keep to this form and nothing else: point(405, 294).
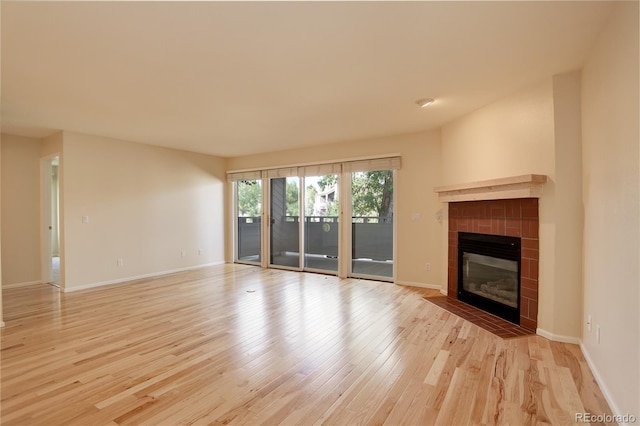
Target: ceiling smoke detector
point(425, 102)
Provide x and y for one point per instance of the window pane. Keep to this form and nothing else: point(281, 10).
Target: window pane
point(372, 223)
point(321, 222)
point(285, 222)
point(249, 207)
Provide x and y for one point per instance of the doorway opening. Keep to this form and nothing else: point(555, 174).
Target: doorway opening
point(51, 246)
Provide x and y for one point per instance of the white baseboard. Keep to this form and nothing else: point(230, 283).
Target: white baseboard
point(24, 284)
point(1, 324)
point(421, 285)
point(603, 387)
point(558, 337)
point(444, 291)
point(138, 277)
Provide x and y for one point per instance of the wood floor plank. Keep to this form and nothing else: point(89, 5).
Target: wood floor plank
point(235, 344)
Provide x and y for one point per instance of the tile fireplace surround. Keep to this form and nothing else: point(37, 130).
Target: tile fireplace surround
point(510, 217)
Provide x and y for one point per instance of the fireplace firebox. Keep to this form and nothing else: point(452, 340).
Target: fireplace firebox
point(489, 273)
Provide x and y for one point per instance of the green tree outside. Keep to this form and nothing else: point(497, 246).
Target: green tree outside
point(372, 192)
point(372, 195)
point(249, 198)
point(292, 194)
point(310, 201)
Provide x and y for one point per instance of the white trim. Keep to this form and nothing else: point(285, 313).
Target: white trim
point(321, 271)
point(316, 163)
point(24, 284)
point(394, 216)
point(233, 214)
point(345, 227)
point(302, 236)
point(603, 387)
point(444, 291)
point(138, 277)
point(386, 163)
point(380, 278)
point(265, 222)
point(1, 324)
point(524, 186)
point(421, 285)
point(46, 273)
point(558, 337)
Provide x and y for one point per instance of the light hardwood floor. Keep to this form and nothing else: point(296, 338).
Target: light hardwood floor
point(238, 344)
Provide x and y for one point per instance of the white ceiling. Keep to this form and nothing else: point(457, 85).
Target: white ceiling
point(236, 78)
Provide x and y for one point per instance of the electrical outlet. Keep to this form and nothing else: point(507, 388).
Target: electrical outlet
point(427, 266)
point(120, 263)
point(598, 333)
point(589, 323)
point(200, 252)
point(183, 253)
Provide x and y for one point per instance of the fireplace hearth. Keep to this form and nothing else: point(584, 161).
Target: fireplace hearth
point(489, 273)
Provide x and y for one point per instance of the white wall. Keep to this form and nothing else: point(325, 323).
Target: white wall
point(145, 205)
point(611, 204)
point(418, 241)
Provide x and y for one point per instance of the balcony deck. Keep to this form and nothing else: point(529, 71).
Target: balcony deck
point(372, 240)
point(322, 263)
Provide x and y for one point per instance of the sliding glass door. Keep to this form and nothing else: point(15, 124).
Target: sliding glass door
point(332, 218)
point(372, 223)
point(284, 234)
point(249, 224)
point(321, 229)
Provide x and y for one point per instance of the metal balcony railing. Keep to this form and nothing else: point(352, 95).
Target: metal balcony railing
point(372, 237)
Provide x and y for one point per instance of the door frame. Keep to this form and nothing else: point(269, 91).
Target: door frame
point(46, 219)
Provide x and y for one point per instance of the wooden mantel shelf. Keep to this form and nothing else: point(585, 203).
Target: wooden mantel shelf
point(524, 186)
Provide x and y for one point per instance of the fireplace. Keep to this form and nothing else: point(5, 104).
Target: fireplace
point(516, 218)
point(489, 273)
point(503, 207)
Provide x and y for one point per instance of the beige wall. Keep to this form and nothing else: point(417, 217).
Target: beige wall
point(145, 206)
point(20, 210)
point(533, 131)
point(51, 145)
point(418, 241)
point(1, 310)
point(512, 136)
point(567, 212)
point(1, 306)
point(611, 202)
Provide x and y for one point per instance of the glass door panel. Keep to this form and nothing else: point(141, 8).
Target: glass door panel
point(249, 211)
point(321, 223)
point(372, 223)
point(285, 222)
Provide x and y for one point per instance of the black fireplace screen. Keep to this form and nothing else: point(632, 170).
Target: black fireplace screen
point(489, 273)
point(491, 277)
